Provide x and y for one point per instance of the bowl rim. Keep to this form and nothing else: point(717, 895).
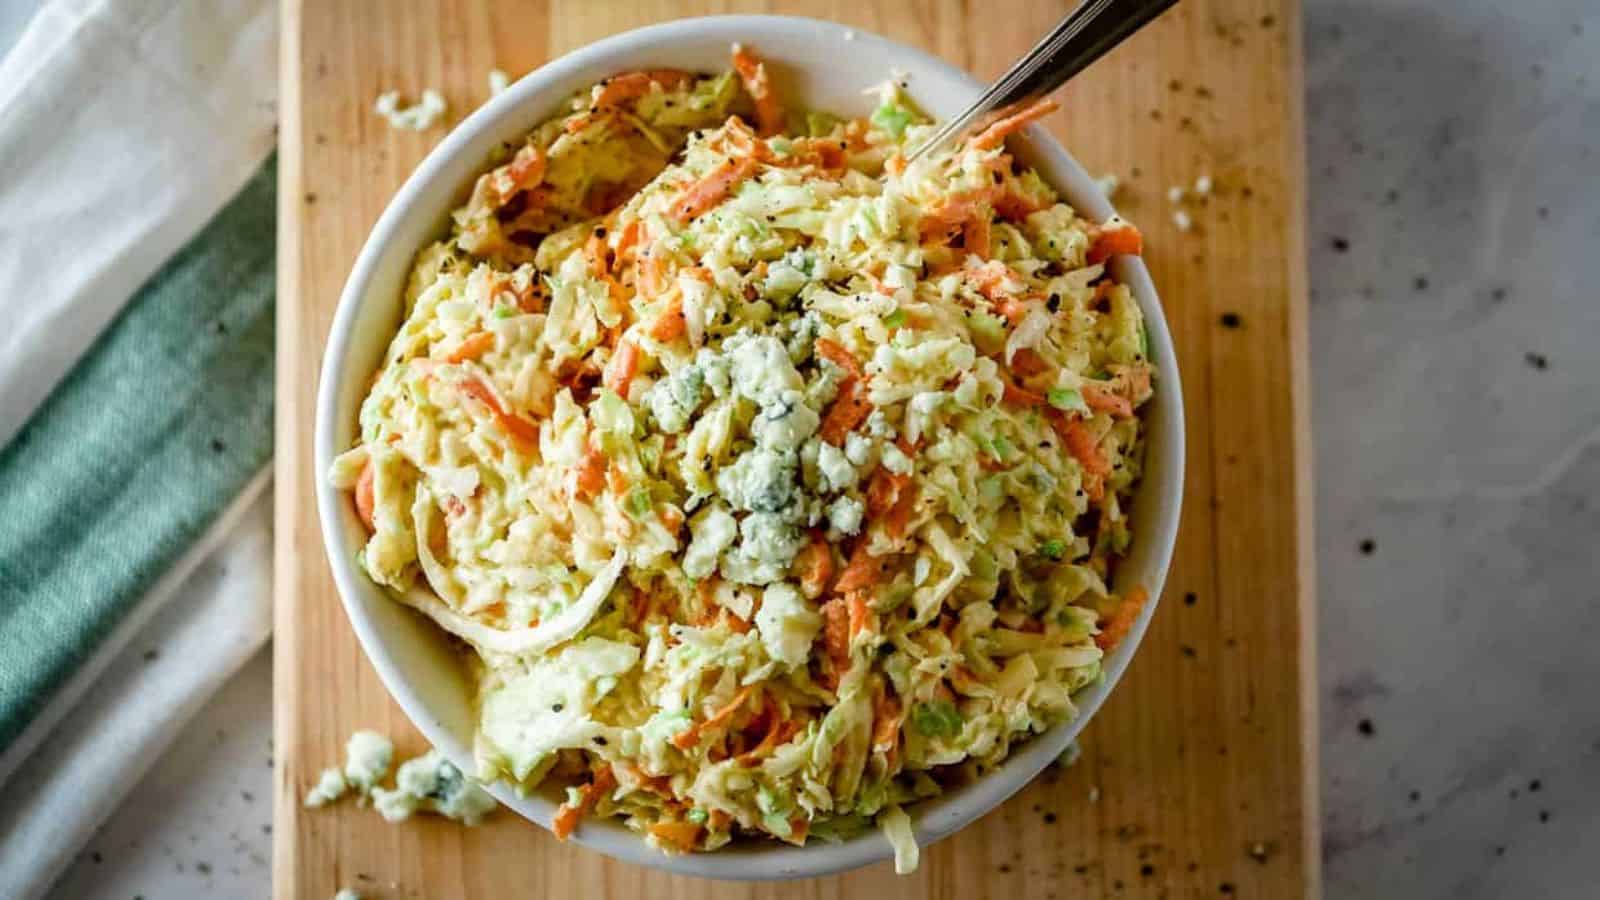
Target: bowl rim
point(934, 819)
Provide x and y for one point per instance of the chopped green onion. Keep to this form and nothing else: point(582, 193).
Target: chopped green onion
point(699, 816)
point(895, 319)
point(504, 311)
point(1067, 400)
point(778, 825)
point(936, 718)
point(1144, 340)
point(1053, 549)
point(891, 118)
point(639, 503)
point(819, 124)
point(1002, 447)
point(780, 146)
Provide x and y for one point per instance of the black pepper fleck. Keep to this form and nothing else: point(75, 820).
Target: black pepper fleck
point(1420, 283)
point(1231, 320)
point(217, 446)
point(1147, 870)
point(1534, 786)
point(1049, 818)
point(1544, 815)
point(1226, 887)
point(1537, 360)
point(1366, 728)
point(600, 741)
point(1190, 599)
point(1367, 546)
point(1339, 244)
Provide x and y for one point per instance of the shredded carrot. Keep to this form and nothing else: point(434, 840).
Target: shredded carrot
point(1122, 618)
point(521, 432)
point(620, 89)
point(705, 194)
point(366, 498)
point(629, 238)
point(679, 835)
point(835, 353)
point(799, 827)
point(863, 571)
point(996, 133)
point(859, 614)
point(1015, 395)
point(1104, 399)
point(1014, 205)
point(526, 169)
point(1081, 444)
point(816, 565)
point(671, 518)
point(591, 473)
point(975, 236)
point(720, 820)
point(753, 72)
point(1027, 362)
point(1012, 309)
point(472, 347)
point(899, 515)
point(848, 410)
point(777, 735)
point(990, 277)
point(691, 735)
point(622, 367)
point(570, 814)
point(885, 721)
point(1106, 241)
point(883, 490)
point(670, 325)
point(836, 633)
point(896, 164)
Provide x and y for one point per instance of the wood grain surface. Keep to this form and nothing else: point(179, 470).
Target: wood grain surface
point(1197, 778)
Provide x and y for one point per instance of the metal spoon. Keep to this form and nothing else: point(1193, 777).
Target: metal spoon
point(1086, 34)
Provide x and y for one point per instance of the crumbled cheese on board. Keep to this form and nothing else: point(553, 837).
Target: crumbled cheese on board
point(419, 117)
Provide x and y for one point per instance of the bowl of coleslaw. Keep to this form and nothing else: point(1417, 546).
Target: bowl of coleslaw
point(734, 497)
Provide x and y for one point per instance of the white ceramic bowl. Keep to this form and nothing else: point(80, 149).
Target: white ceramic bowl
point(822, 66)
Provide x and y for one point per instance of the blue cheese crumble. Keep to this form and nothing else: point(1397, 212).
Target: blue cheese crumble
point(431, 783)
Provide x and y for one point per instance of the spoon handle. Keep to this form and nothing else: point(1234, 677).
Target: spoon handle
point(1083, 36)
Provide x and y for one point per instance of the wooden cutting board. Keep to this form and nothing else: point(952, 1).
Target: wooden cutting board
point(1198, 778)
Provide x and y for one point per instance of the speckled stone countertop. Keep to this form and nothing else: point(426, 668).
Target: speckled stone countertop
point(1455, 256)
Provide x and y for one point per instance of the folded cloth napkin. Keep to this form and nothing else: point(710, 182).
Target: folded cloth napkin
point(135, 395)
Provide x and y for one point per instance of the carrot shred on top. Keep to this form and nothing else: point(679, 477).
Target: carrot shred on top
point(1122, 618)
point(1113, 239)
point(705, 194)
point(622, 367)
point(678, 834)
point(570, 814)
point(521, 432)
point(690, 736)
point(620, 89)
point(996, 133)
point(472, 347)
point(366, 497)
point(753, 72)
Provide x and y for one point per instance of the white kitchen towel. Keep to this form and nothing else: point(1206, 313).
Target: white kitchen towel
point(125, 126)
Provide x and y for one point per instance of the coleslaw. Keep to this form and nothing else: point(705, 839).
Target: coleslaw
point(773, 482)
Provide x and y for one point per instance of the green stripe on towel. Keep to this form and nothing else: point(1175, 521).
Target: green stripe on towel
point(137, 451)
